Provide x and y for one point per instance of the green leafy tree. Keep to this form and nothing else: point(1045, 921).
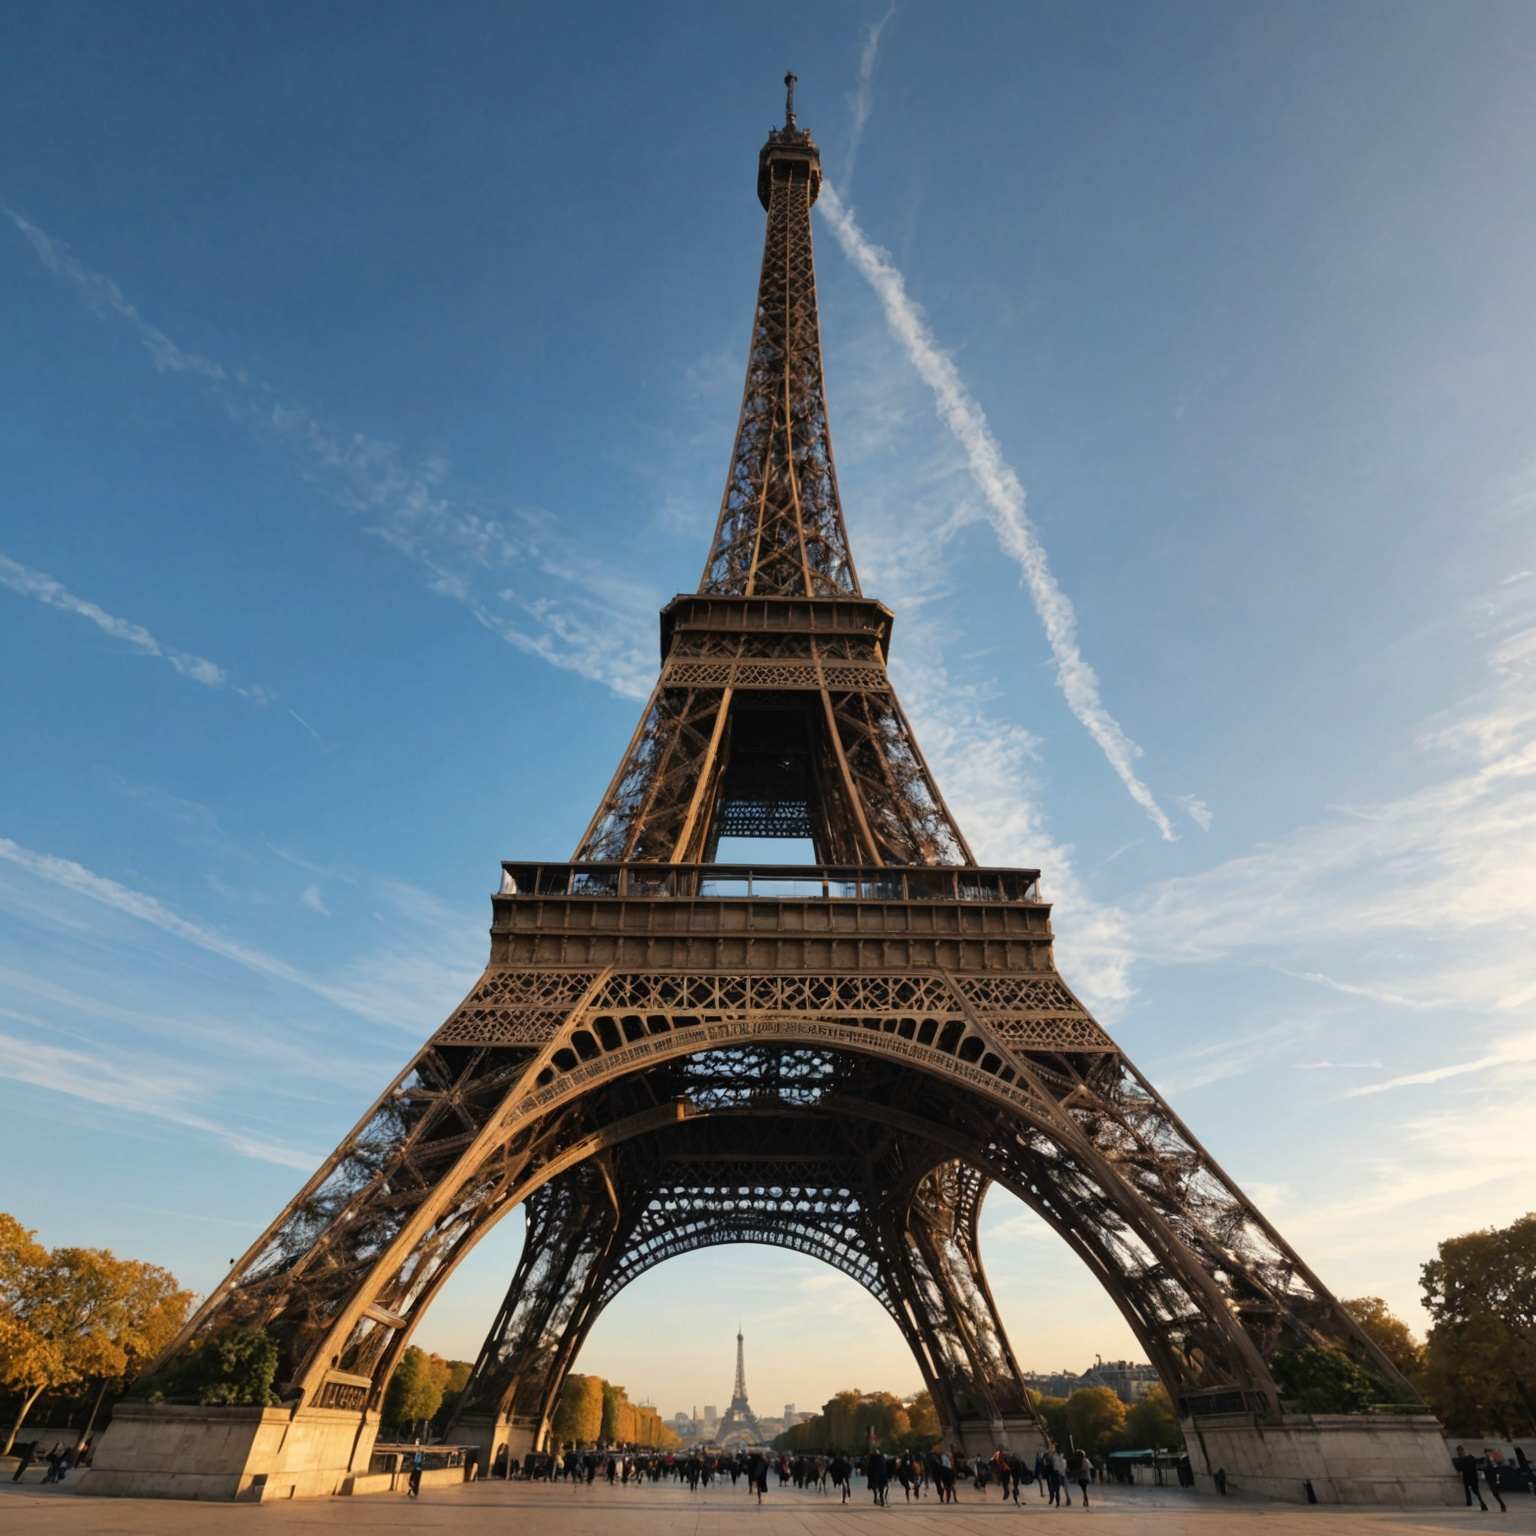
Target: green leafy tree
point(456, 1375)
point(237, 1368)
point(76, 1315)
point(233, 1368)
point(415, 1391)
point(1389, 1333)
point(1152, 1424)
point(579, 1412)
point(1480, 1292)
point(881, 1415)
point(1323, 1380)
point(1094, 1416)
point(1052, 1412)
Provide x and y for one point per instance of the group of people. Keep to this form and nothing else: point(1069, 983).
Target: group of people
point(1492, 1469)
point(625, 1468)
point(937, 1472)
point(60, 1459)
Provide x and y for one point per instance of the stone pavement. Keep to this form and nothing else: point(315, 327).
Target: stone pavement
point(539, 1509)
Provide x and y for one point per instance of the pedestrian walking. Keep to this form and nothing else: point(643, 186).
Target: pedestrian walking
point(418, 1464)
point(1082, 1471)
point(1491, 1475)
point(1467, 1466)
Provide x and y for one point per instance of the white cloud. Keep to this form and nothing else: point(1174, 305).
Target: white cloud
point(312, 899)
point(408, 985)
point(468, 553)
point(155, 1090)
point(41, 587)
point(1196, 809)
point(103, 295)
point(1003, 494)
point(862, 102)
point(1516, 1050)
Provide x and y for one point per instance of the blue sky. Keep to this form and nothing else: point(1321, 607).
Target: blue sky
point(367, 374)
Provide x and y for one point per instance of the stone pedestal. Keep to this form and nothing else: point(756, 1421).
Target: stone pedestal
point(490, 1435)
point(1348, 1458)
point(163, 1450)
point(980, 1437)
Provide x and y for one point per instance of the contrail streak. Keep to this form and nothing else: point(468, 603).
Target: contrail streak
point(1004, 495)
point(864, 91)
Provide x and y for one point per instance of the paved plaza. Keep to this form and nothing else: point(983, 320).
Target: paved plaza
point(539, 1509)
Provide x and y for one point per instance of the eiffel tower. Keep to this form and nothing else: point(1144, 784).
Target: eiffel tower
point(666, 1053)
point(739, 1425)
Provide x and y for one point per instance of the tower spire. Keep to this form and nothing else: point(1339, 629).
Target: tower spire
point(780, 531)
point(739, 1394)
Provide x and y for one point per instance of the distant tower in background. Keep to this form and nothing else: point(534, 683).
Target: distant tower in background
point(739, 1424)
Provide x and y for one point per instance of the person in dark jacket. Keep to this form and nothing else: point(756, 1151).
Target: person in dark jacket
point(1467, 1466)
point(1490, 1466)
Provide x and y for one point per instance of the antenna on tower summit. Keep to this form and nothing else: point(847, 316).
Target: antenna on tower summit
point(789, 100)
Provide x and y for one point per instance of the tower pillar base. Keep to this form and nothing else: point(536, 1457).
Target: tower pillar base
point(980, 1437)
point(176, 1451)
point(495, 1436)
point(1375, 1458)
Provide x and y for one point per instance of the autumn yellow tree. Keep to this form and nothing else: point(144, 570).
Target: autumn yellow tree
point(1389, 1333)
point(1094, 1416)
point(579, 1413)
point(923, 1416)
point(77, 1315)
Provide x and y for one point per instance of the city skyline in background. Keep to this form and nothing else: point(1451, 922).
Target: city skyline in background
point(363, 411)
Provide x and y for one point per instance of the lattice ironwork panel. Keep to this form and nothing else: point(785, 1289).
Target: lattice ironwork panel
point(773, 674)
point(1018, 994)
point(781, 524)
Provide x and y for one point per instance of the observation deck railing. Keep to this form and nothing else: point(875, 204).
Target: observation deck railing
point(774, 882)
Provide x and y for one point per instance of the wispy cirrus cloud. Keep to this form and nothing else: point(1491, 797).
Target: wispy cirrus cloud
point(157, 1090)
point(43, 588)
point(407, 985)
point(105, 297)
point(1516, 1050)
point(509, 566)
point(862, 102)
point(1003, 494)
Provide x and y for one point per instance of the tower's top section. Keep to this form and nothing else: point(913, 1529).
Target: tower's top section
point(789, 145)
point(781, 531)
point(739, 1394)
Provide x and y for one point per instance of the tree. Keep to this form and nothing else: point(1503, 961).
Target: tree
point(1094, 1415)
point(924, 1418)
point(77, 1314)
point(456, 1374)
point(613, 1396)
point(1481, 1358)
point(1323, 1380)
point(1052, 1412)
point(415, 1391)
point(1389, 1333)
point(1153, 1424)
point(579, 1413)
point(881, 1416)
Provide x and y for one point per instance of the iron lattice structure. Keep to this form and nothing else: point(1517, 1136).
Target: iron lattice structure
point(665, 1053)
point(740, 1426)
